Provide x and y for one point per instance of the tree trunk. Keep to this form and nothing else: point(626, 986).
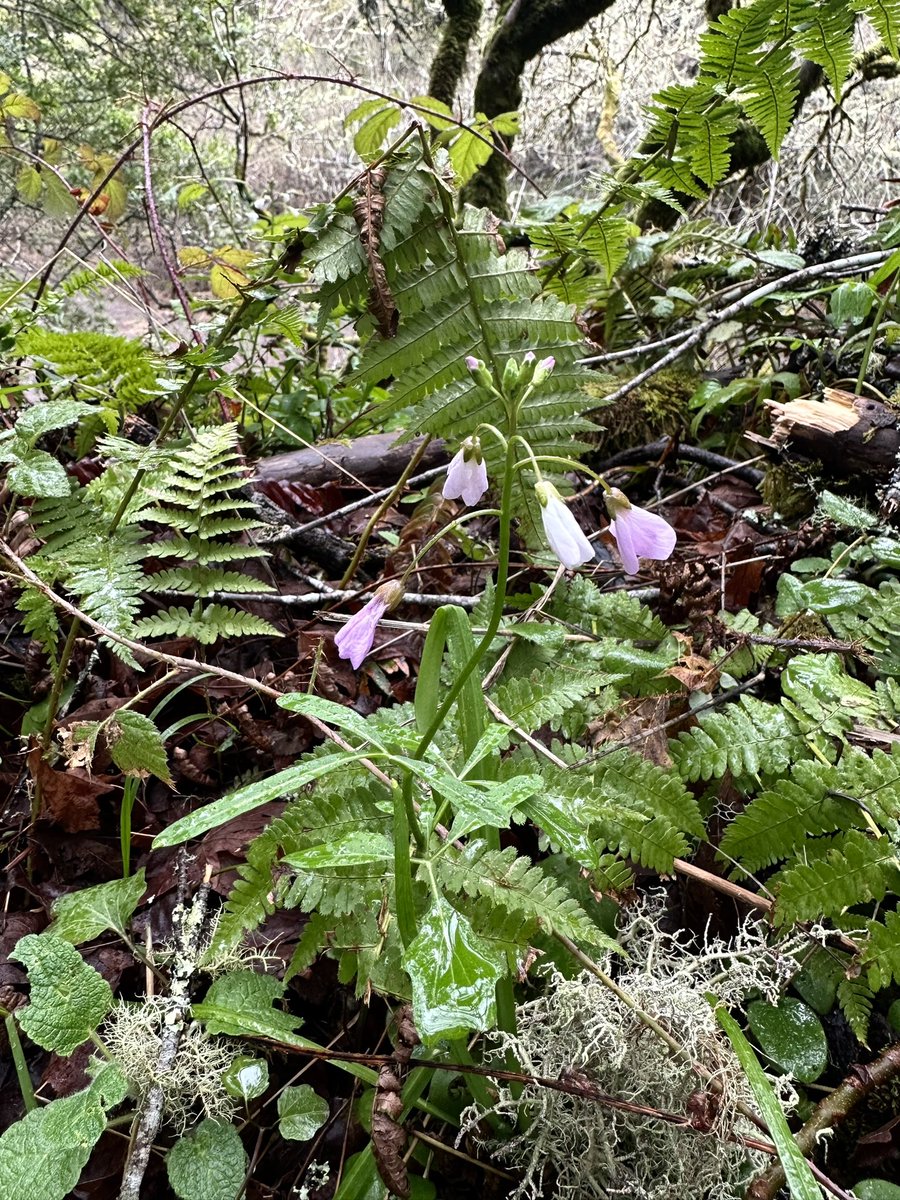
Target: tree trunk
point(449, 62)
point(526, 28)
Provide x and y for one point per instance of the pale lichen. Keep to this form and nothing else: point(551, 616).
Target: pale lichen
point(570, 1146)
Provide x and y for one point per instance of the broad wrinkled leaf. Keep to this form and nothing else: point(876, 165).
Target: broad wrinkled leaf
point(209, 1164)
point(69, 999)
point(39, 474)
point(83, 915)
point(301, 1113)
point(136, 746)
point(453, 973)
point(240, 1004)
point(42, 1156)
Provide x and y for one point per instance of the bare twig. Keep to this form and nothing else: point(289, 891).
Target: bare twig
point(852, 264)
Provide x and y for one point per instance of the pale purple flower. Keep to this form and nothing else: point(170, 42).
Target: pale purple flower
point(472, 362)
point(638, 533)
point(467, 475)
point(565, 535)
point(354, 640)
point(543, 369)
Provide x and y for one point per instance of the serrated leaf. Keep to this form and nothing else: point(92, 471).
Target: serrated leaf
point(29, 184)
point(210, 1163)
point(68, 1000)
point(42, 1156)
point(19, 107)
point(38, 474)
point(240, 1004)
point(468, 152)
point(83, 915)
point(454, 973)
point(301, 1113)
point(136, 745)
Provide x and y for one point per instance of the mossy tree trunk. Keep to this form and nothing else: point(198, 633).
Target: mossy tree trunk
point(449, 62)
point(526, 28)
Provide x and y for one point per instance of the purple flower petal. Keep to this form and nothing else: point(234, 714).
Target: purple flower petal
point(641, 534)
point(354, 640)
point(465, 480)
point(564, 534)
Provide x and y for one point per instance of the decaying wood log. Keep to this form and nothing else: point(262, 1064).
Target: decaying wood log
point(847, 434)
point(376, 459)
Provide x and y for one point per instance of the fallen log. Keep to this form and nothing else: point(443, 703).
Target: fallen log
point(848, 434)
point(376, 459)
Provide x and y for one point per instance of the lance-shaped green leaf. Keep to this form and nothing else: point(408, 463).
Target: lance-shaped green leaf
point(353, 850)
point(453, 974)
point(235, 804)
point(209, 1164)
point(493, 804)
point(800, 1179)
point(81, 916)
point(338, 715)
point(69, 999)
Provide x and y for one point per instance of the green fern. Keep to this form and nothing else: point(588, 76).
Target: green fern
point(777, 822)
point(842, 871)
point(881, 955)
point(543, 697)
point(855, 997)
point(196, 495)
point(745, 739)
point(514, 884)
point(457, 295)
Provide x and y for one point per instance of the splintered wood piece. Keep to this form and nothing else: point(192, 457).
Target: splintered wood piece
point(844, 432)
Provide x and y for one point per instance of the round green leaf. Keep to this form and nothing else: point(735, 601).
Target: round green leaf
point(791, 1035)
point(301, 1113)
point(246, 1078)
point(876, 1189)
point(208, 1164)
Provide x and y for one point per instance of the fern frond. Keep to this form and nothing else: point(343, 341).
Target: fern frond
point(885, 16)
point(855, 997)
point(205, 623)
point(746, 738)
point(842, 871)
point(824, 35)
point(41, 621)
point(515, 885)
point(115, 371)
point(777, 822)
point(543, 697)
point(881, 954)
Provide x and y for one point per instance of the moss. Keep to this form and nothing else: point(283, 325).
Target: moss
point(659, 408)
point(449, 61)
point(790, 491)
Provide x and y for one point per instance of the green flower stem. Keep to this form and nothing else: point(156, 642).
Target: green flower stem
point(499, 595)
point(381, 509)
point(564, 462)
point(18, 1057)
point(403, 882)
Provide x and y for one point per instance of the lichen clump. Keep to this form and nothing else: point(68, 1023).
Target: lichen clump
point(570, 1146)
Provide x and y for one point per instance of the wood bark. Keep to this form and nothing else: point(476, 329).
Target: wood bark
point(526, 28)
point(376, 459)
point(849, 435)
point(449, 62)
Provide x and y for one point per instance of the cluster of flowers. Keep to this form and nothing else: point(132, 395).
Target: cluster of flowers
point(638, 533)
